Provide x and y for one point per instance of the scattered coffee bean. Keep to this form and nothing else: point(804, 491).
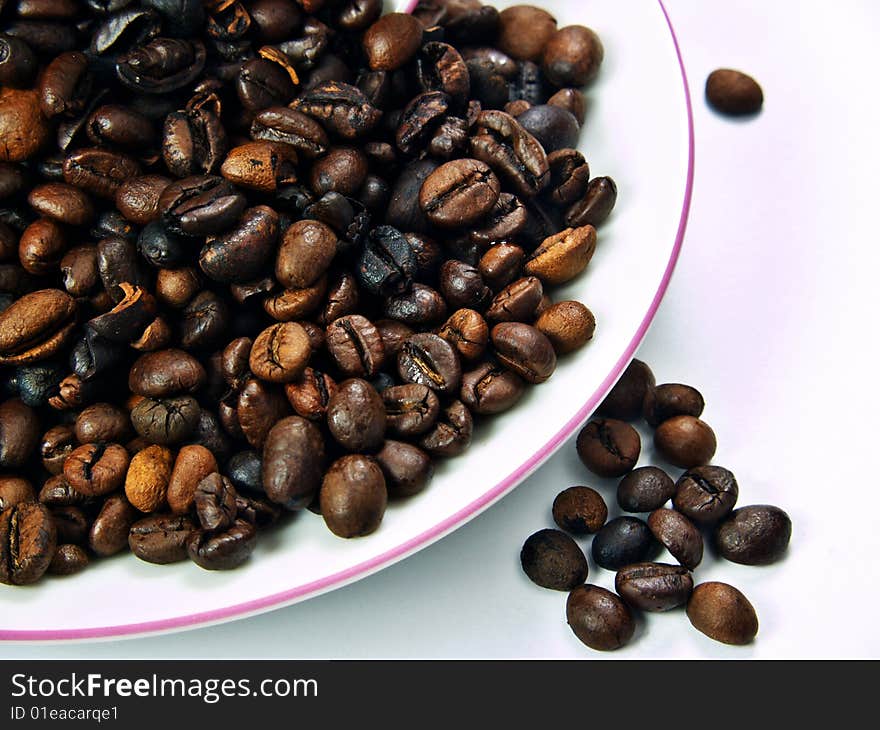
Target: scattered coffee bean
point(669, 400)
point(608, 448)
point(553, 560)
point(624, 401)
point(645, 489)
point(678, 535)
point(722, 613)
point(599, 618)
point(654, 586)
point(580, 510)
point(754, 535)
point(706, 494)
point(622, 541)
point(685, 441)
point(733, 93)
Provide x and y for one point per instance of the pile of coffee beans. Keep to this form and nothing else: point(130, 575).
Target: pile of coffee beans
point(258, 256)
point(703, 500)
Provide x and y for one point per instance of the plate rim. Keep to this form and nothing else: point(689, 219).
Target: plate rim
point(435, 532)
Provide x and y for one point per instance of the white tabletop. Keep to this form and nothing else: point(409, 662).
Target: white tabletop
point(770, 314)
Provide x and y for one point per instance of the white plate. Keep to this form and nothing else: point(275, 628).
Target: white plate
point(639, 130)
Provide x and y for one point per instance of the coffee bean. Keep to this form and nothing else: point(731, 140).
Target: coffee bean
point(99, 171)
point(18, 65)
point(200, 205)
point(146, 483)
point(164, 373)
point(63, 203)
point(501, 264)
point(459, 193)
point(204, 321)
point(462, 285)
point(599, 618)
point(754, 535)
point(27, 543)
point(551, 559)
point(167, 420)
point(596, 204)
point(353, 496)
point(342, 109)
point(554, 127)
point(645, 489)
point(407, 468)
point(19, 433)
point(387, 263)
point(36, 326)
point(293, 462)
point(429, 360)
point(669, 400)
point(392, 41)
point(491, 389)
point(571, 100)
point(654, 586)
point(222, 550)
point(13, 491)
point(563, 256)
point(41, 247)
point(343, 297)
point(572, 56)
point(257, 511)
point(23, 128)
point(215, 502)
point(96, 469)
point(622, 541)
point(524, 350)
point(120, 126)
point(516, 302)
point(356, 346)
point(569, 176)
point(79, 270)
point(306, 251)
point(101, 422)
point(685, 441)
point(291, 127)
point(512, 152)
point(161, 539)
point(109, 531)
point(452, 433)
point(524, 31)
point(239, 255)
point(71, 524)
point(722, 613)
point(192, 464)
point(421, 307)
point(678, 535)
point(260, 406)
point(68, 560)
point(194, 142)
point(733, 93)
point(411, 409)
point(624, 401)
point(356, 416)
point(706, 494)
point(280, 353)
point(568, 325)
point(580, 510)
point(293, 304)
point(245, 471)
point(467, 332)
point(261, 166)
point(310, 394)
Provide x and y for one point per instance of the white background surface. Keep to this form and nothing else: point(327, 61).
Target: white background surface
point(772, 314)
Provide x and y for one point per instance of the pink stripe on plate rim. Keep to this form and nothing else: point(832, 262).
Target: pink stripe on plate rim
point(337, 580)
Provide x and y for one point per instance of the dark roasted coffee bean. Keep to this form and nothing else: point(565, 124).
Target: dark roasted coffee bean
point(13, 491)
point(245, 471)
point(341, 170)
point(356, 346)
point(669, 400)
point(706, 494)
point(733, 93)
point(512, 152)
point(401, 213)
point(599, 618)
point(392, 41)
point(754, 535)
point(411, 409)
point(419, 121)
point(293, 462)
point(201, 205)
point(685, 441)
point(63, 203)
point(429, 360)
point(166, 372)
point(554, 127)
point(79, 270)
point(387, 264)
point(214, 502)
point(467, 332)
point(162, 248)
point(571, 100)
point(572, 56)
point(68, 560)
point(569, 176)
point(161, 539)
point(452, 433)
point(459, 193)
point(595, 206)
point(222, 550)
point(568, 325)
point(37, 383)
point(20, 110)
point(722, 613)
point(645, 489)
point(450, 138)
point(27, 543)
point(506, 219)
point(166, 421)
point(161, 66)
point(260, 406)
point(463, 286)
point(64, 85)
point(56, 492)
point(524, 350)
point(608, 448)
point(258, 511)
point(622, 541)
point(516, 302)
point(501, 264)
point(204, 322)
point(194, 142)
point(491, 389)
point(41, 247)
point(99, 171)
point(529, 84)
point(353, 496)
point(96, 469)
point(118, 263)
point(393, 334)
point(678, 535)
point(120, 126)
point(109, 532)
point(102, 422)
point(356, 416)
point(341, 108)
point(551, 559)
point(71, 524)
point(407, 468)
point(291, 127)
point(421, 306)
point(280, 353)
point(305, 254)
point(18, 64)
point(654, 586)
point(56, 445)
point(624, 401)
point(580, 510)
point(440, 67)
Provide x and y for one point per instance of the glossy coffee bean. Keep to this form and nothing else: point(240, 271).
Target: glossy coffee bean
point(459, 193)
point(240, 254)
point(96, 469)
point(622, 541)
point(356, 346)
point(79, 270)
point(260, 406)
point(599, 618)
point(109, 531)
point(290, 127)
point(733, 93)
point(551, 559)
point(516, 302)
point(580, 510)
point(18, 64)
point(19, 433)
point(706, 494)
point(685, 441)
point(341, 109)
point(608, 448)
point(137, 198)
point(512, 152)
point(462, 285)
point(624, 401)
point(99, 171)
point(387, 264)
point(678, 535)
point(280, 353)
point(15, 490)
point(292, 463)
point(645, 489)
point(392, 41)
point(23, 128)
point(420, 307)
point(407, 468)
point(41, 247)
point(524, 31)
point(353, 496)
point(429, 360)
point(568, 325)
point(215, 502)
point(36, 326)
point(310, 394)
point(467, 332)
point(161, 539)
point(596, 204)
point(200, 205)
point(754, 535)
point(194, 142)
point(722, 613)
point(102, 422)
point(411, 409)
point(261, 166)
point(452, 433)
point(490, 389)
point(71, 524)
point(356, 416)
point(572, 56)
point(554, 127)
point(62, 203)
point(654, 586)
point(27, 543)
point(192, 464)
point(669, 400)
point(306, 251)
point(68, 560)
point(204, 321)
point(524, 350)
point(501, 264)
point(222, 550)
point(166, 372)
point(569, 176)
